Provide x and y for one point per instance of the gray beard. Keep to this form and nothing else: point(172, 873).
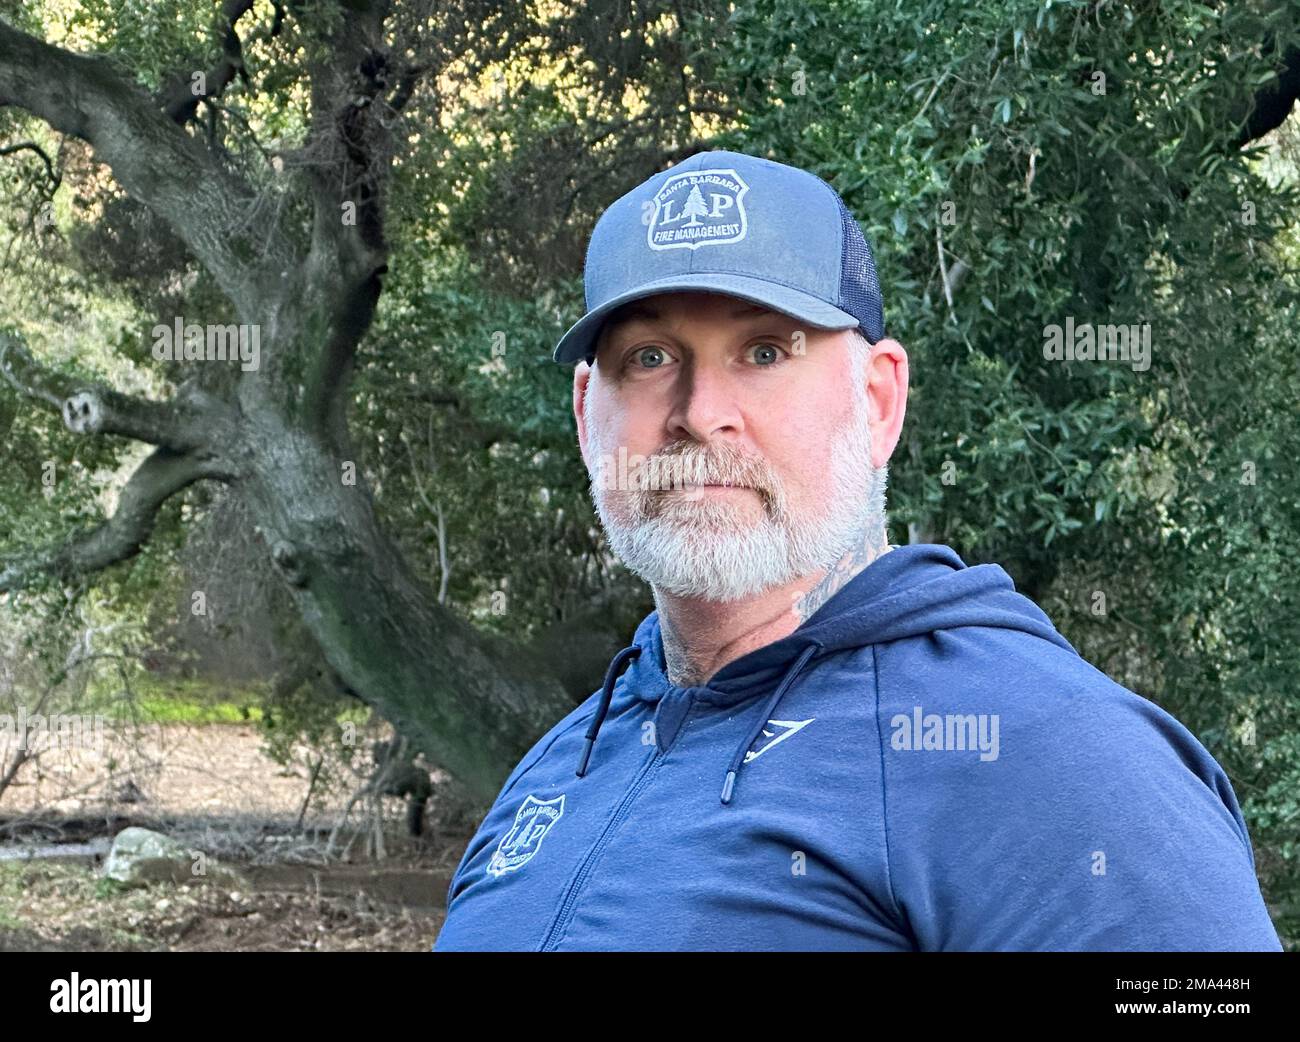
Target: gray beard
point(704, 549)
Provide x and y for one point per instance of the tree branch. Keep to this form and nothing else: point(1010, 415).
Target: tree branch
point(352, 146)
point(406, 87)
point(56, 177)
point(157, 479)
point(183, 425)
point(210, 207)
point(181, 102)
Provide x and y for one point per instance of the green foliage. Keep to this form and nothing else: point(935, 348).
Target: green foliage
point(463, 411)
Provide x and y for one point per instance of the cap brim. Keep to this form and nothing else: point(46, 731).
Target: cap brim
point(581, 338)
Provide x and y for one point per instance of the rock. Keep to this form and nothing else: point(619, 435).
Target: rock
point(140, 857)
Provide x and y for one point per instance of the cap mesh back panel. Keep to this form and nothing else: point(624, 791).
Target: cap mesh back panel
point(859, 286)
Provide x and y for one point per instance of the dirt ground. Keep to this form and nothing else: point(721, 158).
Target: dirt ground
point(55, 906)
point(167, 769)
point(212, 788)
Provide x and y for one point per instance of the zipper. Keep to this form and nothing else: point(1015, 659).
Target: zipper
point(566, 908)
point(561, 923)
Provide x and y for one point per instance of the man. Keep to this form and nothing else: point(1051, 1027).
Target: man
point(817, 740)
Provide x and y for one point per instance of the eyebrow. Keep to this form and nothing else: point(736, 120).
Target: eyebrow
point(632, 312)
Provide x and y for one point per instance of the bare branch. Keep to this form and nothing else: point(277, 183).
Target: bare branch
point(436, 510)
point(56, 177)
point(953, 277)
point(184, 425)
point(225, 110)
point(157, 479)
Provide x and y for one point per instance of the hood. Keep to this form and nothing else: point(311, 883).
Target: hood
point(908, 592)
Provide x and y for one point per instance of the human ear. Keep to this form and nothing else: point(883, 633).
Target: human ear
point(581, 380)
point(887, 392)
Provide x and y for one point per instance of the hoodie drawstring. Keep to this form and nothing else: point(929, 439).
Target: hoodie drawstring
point(737, 761)
point(606, 696)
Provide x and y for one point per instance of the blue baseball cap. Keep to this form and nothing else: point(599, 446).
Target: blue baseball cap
point(726, 222)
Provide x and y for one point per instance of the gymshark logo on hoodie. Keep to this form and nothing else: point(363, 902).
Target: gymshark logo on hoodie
point(780, 731)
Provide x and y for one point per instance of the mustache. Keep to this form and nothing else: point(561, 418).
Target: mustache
point(693, 464)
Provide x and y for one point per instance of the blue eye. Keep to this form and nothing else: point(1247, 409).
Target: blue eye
point(767, 354)
point(647, 355)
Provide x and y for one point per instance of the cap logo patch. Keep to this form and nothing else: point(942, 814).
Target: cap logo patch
point(700, 208)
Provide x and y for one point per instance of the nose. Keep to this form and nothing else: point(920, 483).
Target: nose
point(706, 406)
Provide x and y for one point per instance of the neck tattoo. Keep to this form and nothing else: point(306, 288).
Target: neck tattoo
point(688, 667)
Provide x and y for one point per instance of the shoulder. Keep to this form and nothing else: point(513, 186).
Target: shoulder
point(1053, 722)
point(1047, 806)
point(577, 717)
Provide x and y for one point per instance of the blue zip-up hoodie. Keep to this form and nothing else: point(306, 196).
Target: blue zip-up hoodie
point(924, 764)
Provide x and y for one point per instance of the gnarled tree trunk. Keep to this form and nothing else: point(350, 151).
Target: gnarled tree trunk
point(280, 439)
